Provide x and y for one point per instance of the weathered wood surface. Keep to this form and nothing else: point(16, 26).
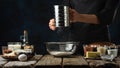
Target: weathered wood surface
point(103, 63)
point(26, 64)
point(2, 62)
point(117, 60)
point(75, 61)
point(37, 57)
point(20, 64)
point(49, 61)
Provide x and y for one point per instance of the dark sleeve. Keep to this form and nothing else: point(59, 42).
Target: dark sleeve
point(67, 3)
point(105, 16)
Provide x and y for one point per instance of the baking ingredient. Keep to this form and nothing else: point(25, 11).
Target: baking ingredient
point(22, 57)
point(92, 54)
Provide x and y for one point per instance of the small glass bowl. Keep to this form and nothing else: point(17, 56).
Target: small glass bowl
point(107, 57)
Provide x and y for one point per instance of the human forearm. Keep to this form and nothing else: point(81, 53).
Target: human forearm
point(86, 18)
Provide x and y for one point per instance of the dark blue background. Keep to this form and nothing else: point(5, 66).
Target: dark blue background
point(34, 15)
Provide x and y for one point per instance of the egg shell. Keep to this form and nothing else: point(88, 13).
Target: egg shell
point(22, 57)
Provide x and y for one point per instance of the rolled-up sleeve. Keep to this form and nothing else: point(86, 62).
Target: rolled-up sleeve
point(105, 16)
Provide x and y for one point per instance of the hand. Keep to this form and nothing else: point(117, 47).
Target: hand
point(77, 17)
point(52, 24)
point(74, 16)
point(72, 19)
point(86, 18)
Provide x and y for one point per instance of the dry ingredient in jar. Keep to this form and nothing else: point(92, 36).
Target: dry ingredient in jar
point(102, 50)
point(87, 48)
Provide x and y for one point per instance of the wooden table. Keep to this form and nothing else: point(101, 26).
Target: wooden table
point(48, 61)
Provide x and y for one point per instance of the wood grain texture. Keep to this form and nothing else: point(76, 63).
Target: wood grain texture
point(26, 64)
point(2, 62)
point(49, 60)
point(36, 57)
point(19, 64)
point(77, 62)
point(102, 64)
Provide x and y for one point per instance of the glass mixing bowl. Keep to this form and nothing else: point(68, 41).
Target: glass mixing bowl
point(61, 48)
